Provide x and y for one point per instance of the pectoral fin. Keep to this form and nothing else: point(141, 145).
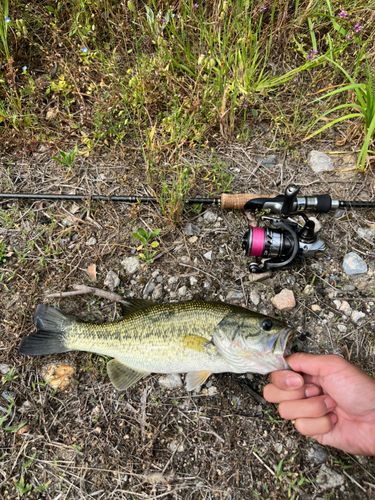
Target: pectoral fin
point(121, 376)
point(195, 342)
point(195, 379)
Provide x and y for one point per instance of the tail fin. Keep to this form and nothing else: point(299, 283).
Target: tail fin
point(52, 328)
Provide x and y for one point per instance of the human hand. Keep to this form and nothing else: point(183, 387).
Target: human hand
point(330, 400)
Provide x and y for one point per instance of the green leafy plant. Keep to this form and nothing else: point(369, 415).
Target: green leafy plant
point(145, 238)
point(364, 109)
point(67, 159)
point(4, 21)
point(2, 251)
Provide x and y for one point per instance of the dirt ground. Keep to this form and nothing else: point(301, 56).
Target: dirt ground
point(90, 441)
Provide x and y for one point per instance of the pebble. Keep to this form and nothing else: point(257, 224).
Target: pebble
point(182, 291)
point(210, 216)
point(357, 316)
point(328, 478)
point(131, 265)
point(342, 328)
point(159, 279)
point(308, 289)
point(338, 213)
point(348, 288)
point(191, 230)
point(157, 293)
point(337, 303)
point(193, 239)
point(208, 255)
point(174, 446)
point(354, 264)
point(316, 308)
point(288, 280)
point(171, 381)
point(318, 268)
point(269, 161)
point(91, 241)
point(149, 288)
point(9, 396)
point(3, 410)
point(234, 296)
point(255, 298)
point(345, 308)
point(367, 234)
point(4, 369)
point(172, 280)
point(320, 162)
point(212, 391)
point(193, 281)
point(207, 285)
point(317, 454)
point(284, 301)
point(278, 447)
point(112, 280)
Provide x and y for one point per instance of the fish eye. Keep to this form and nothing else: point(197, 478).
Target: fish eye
point(266, 325)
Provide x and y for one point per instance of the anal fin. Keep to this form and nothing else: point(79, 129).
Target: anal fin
point(195, 379)
point(121, 376)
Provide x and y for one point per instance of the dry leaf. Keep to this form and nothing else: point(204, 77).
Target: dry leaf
point(57, 376)
point(91, 271)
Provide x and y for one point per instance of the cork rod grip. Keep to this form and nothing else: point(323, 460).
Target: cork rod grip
point(237, 201)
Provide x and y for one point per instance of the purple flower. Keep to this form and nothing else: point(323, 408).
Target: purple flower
point(312, 54)
point(7, 19)
point(244, 105)
point(343, 14)
point(163, 20)
point(263, 8)
point(229, 73)
point(347, 37)
point(84, 50)
point(357, 28)
point(195, 6)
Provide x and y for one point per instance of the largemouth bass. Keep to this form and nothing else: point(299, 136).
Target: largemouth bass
point(196, 338)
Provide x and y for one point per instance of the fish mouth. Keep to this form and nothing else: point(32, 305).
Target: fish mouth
point(285, 341)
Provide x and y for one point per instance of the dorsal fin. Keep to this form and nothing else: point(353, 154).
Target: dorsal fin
point(135, 305)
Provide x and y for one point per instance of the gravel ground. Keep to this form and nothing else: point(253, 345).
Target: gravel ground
point(90, 441)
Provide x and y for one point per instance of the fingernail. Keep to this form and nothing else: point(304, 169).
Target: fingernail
point(293, 381)
point(311, 391)
point(329, 402)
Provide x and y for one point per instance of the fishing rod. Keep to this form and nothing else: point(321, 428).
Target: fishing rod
point(289, 203)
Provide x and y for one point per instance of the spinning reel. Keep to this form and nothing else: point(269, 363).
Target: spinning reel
point(278, 246)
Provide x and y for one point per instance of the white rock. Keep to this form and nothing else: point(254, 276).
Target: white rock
point(91, 241)
point(193, 281)
point(174, 446)
point(157, 294)
point(328, 479)
point(131, 265)
point(341, 328)
point(171, 381)
point(345, 308)
point(112, 280)
point(357, 316)
point(208, 255)
point(172, 280)
point(320, 162)
point(316, 308)
point(337, 303)
point(4, 369)
point(182, 291)
point(255, 298)
point(210, 216)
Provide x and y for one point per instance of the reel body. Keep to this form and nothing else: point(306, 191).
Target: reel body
point(278, 246)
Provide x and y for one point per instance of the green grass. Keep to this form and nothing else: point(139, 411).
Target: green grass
point(168, 78)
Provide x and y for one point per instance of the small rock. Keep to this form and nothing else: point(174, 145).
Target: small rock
point(9, 396)
point(4, 369)
point(210, 216)
point(341, 328)
point(269, 161)
point(193, 239)
point(318, 268)
point(345, 308)
point(318, 225)
point(335, 280)
point(26, 406)
point(320, 162)
point(255, 298)
point(191, 230)
point(193, 281)
point(182, 291)
point(91, 241)
point(278, 447)
point(208, 255)
point(367, 234)
point(159, 279)
point(212, 391)
point(112, 280)
point(288, 280)
point(234, 296)
point(184, 259)
point(155, 273)
point(171, 381)
point(328, 479)
point(308, 289)
point(131, 265)
point(348, 288)
point(332, 293)
point(337, 303)
point(316, 308)
point(284, 301)
point(357, 316)
point(149, 288)
point(317, 454)
point(338, 213)
point(362, 285)
point(174, 446)
point(57, 375)
point(354, 264)
point(157, 293)
point(172, 280)
point(207, 285)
